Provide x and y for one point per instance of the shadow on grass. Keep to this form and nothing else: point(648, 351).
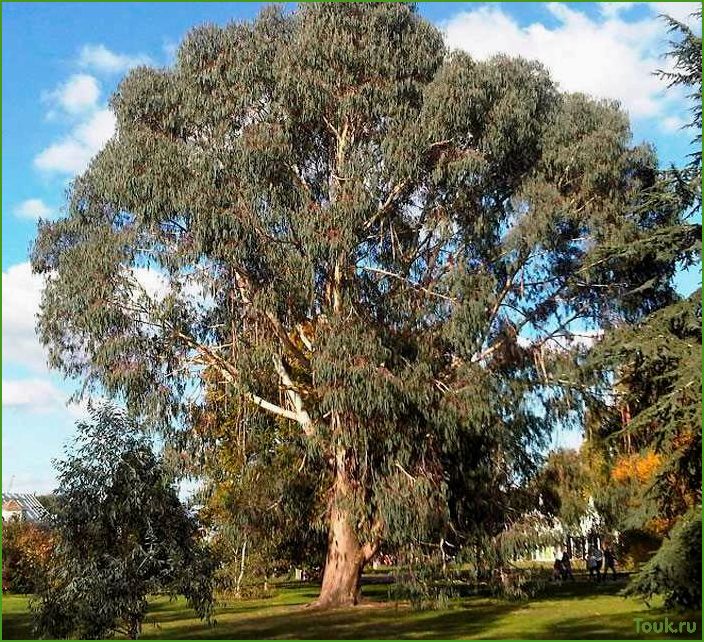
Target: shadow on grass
point(604, 626)
point(579, 610)
point(581, 587)
point(17, 626)
point(369, 620)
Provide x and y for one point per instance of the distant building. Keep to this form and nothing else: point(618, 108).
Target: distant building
point(22, 507)
point(576, 541)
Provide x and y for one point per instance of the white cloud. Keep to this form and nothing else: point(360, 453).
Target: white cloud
point(154, 282)
point(100, 58)
point(673, 124)
point(65, 157)
point(607, 58)
point(613, 9)
point(156, 285)
point(170, 48)
point(34, 209)
point(36, 395)
point(78, 94)
point(72, 154)
point(92, 126)
point(21, 294)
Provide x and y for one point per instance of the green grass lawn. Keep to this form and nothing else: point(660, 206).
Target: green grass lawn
point(577, 611)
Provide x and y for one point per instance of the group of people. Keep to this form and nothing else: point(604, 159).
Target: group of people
point(596, 559)
point(562, 569)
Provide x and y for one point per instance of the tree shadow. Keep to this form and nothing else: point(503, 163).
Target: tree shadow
point(370, 620)
point(582, 587)
point(17, 626)
point(609, 626)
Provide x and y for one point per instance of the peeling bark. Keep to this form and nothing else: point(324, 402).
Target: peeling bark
point(345, 560)
point(346, 555)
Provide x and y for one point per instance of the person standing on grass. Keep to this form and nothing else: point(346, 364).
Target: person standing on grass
point(599, 559)
point(567, 566)
point(557, 569)
point(609, 561)
point(591, 562)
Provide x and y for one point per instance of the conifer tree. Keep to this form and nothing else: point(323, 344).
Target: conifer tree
point(651, 371)
point(367, 243)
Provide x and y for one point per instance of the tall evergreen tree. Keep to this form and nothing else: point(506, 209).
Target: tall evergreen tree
point(651, 372)
point(357, 231)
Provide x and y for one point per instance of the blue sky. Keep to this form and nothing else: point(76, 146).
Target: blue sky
point(62, 60)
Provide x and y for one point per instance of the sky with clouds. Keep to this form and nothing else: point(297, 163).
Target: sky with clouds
point(62, 61)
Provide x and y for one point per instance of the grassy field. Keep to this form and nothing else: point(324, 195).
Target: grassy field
point(579, 611)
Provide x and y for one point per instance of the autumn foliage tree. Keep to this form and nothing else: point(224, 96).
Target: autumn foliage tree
point(26, 555)
point(365, 243)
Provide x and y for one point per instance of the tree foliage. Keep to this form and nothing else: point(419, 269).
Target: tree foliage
point(26, 553)
point(675, 569)
point(263, 503)
point(564, 486)
point(121, 534)
point(364, 236)
point(648, 417)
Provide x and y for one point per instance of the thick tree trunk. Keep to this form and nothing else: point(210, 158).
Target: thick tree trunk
point(346, 555)
point(342, 577)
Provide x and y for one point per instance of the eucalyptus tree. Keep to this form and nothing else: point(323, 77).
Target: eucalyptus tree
point(366, 244)
point(120, 535)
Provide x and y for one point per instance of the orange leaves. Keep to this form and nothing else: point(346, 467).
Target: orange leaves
point(639, 468)
point(660, 526)
point(26, 550)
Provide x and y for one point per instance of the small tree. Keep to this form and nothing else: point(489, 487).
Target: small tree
point(262, 500)
point(122, 534)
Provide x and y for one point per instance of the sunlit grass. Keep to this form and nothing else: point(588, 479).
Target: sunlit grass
point(580, 610)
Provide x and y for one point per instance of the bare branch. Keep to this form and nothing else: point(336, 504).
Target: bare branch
point(411, 284)
point(273, 408)
point(301, 415)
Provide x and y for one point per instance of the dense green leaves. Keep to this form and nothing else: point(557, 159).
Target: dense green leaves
point(647, 411)
point(121, 534)
point(360, 233)
point(675, 569)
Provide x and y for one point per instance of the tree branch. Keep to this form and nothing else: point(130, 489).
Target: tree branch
point(244, 285)
point(301, 415)
point(411, 284)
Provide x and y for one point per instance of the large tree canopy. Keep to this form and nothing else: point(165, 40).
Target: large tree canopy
point(367, 242)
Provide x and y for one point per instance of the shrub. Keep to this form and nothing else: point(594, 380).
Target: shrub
point(26, 555)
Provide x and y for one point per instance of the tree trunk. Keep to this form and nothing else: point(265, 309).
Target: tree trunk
point(238, 587)
point(346, 556)
point(134, 627)
point(342, 577)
